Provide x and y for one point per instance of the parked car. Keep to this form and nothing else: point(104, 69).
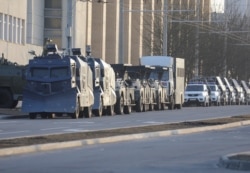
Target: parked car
point(214, 95)
point(198, 94)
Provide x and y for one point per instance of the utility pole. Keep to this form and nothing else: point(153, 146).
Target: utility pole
point(165, 29)
point(197, 15)
point(121, 36)
point(69, 25)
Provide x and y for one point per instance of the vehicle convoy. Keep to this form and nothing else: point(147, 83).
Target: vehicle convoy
point(145, 96)
point(172, 79)
point(58, 85)
point(12, 82)
point(125, 92)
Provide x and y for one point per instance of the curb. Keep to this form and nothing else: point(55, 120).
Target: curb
point(86, 142)
point(230, 162)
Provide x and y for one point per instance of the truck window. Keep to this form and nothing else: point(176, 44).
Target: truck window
point(153, 75)
point(165, 76)
point(39, 72)
point(59, 72)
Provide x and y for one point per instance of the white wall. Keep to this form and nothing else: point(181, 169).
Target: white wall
point(14, 48)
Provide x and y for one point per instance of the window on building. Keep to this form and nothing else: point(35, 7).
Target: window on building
point(53, 4)
point(5, 23)
point(12, 29)
point(53, 23)
point(1, 26)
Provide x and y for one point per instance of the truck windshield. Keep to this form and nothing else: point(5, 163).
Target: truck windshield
point(57, 72)
point(153, 75)
point(194, 88)
point(39, 72)
point(212, 87)
point(165, 76)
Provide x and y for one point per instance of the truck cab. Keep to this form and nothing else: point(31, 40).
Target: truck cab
point(125, 92)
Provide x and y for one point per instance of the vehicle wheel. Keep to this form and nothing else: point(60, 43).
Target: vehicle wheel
point(158, 102)
point(6, 98)
point(44, 115)
point(111, 110)
point(75, 115)
point(32, 115)
point(15, 102)
point(98, 112)
point(139, 105)
point(88, 112)
point(179, 106)
point(171, 104)
point(51, 116)
point(119, 106)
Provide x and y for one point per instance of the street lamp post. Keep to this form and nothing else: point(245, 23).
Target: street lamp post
point(121, 30)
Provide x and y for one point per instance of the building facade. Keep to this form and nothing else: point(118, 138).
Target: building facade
point(117, 32)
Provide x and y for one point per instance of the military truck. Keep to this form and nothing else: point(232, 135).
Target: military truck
point(103, 85)
point(145, 94)
point(246, 91)
point(230, 91)
point(58, 85)
point(238, 91)
point(158, 77)
point(223, 90)
point(125, 92)
point(173, 80)
point(12, 81)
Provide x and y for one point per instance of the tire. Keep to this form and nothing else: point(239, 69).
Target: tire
point(119, 106)
point(128, 108)
point(51, 116)
point(111, 110)
point(6, 98)
point(75, 115)
point(179, 106)
point(32, 115)
point(44, 115)
point(15, 102)
point(158, 102)
point(171, 104)
point(99, 112)
point(88, 112)
point(139, 105)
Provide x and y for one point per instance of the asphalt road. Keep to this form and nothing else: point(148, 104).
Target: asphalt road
point(196, 153)
point(19, 127)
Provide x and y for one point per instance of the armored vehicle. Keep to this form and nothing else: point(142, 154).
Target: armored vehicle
point(58, 85)
point(125, 92)
point(12, 81)
point(103, 86)
point(145, 94)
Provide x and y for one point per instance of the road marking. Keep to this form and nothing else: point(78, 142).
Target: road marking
point(14, 132)
point(75, 130)
point(152, 122)
point(7, 122)
point(85, 122)
point(55, 128)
